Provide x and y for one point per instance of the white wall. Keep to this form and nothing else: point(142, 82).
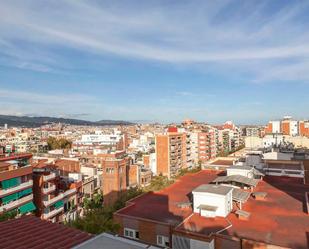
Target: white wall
point(242, 172)
point(293, 128)
point(89, 171)
point(277, 156)
point(223, 202)
point(276, 126)
point(153, 163)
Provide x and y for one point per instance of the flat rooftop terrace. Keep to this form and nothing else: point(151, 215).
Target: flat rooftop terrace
point(163, 206)
point(280, 219)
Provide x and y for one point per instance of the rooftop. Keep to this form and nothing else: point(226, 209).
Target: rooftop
point(280, 219)
point(109, 241)
point(166, 202)
point(241, 167)
point(31, 232)
point(213, 189)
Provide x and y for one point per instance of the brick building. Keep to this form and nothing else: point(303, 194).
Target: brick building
point(115, 166)
point(304, 128)
point(16, 184)
point(171, 152)
point(56, 200)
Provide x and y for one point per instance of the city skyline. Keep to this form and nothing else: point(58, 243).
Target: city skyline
point(155, 61)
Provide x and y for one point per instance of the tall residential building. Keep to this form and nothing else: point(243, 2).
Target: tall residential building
point(304, 128)
point(289, 126)
point(252, 132)
point(16, 184)
point(207, 148)
point(229, 137)
point(171, 152)
point(56, 200)
point(273, 127)
point(115, 166)
point(286, 126)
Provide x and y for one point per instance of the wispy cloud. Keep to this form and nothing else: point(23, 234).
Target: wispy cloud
point(164, 33)
point(38, 104)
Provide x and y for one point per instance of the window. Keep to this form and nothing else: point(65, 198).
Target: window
point(163, 241)
point(131, 233)
point(110, 170)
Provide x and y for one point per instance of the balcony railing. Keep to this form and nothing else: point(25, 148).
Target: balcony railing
point(49, 177)
point(53, 200)
point(22, 186)
point(69, 192)
point(53, 213)
point(49, 190)
point(17, 203)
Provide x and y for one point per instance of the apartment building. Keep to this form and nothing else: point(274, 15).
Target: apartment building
point(286, 126)
point(229, 137)
point(304, 128)
point(16, 184)
point(252, 131)
point(115, 166)
point(56, 199)
point(172, 151)
point(207, 148)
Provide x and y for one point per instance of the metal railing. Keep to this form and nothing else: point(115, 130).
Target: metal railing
point(49, 177)
point(53, 200)
point(53, 213)
point(17, 203)
point(14, 189)
point(48, 190)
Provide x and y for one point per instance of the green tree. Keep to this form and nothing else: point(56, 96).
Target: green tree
point(8, 215)
point(61, 143)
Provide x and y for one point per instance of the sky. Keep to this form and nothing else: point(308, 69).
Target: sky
point(164, 61)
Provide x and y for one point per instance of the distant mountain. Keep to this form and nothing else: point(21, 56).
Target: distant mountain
point(27, 121)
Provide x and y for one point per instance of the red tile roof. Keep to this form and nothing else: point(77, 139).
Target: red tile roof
point(31, 232)
point(16, 156)
point(164, 203)
point(280, 219)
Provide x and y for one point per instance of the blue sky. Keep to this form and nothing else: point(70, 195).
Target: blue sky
point(246, 61)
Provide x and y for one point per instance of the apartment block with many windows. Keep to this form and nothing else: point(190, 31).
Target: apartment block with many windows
point(16, 196)
point(171, 152)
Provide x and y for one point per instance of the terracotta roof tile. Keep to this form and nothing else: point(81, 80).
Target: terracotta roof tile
point(31, 232)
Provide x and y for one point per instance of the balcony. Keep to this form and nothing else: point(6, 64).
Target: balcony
point(22, 186)
point(53, 213)
point(69, 192)
point(17, 203)
point(48, 190)
point(49, 177)
point(53, 200)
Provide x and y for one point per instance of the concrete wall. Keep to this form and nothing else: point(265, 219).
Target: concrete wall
point(224, 203)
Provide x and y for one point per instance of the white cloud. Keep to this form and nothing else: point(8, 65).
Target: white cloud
point(61, 105)
point(186, 34)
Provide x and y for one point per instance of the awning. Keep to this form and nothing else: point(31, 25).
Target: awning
point(238, 179)
point(27, 208)
point(59, 204)
point(207, 208)
point(240, 195)
point(25, 192)
point(10, 183)
point(9, 198)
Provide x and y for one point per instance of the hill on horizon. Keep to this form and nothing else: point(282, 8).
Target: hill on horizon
point(26, 121)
